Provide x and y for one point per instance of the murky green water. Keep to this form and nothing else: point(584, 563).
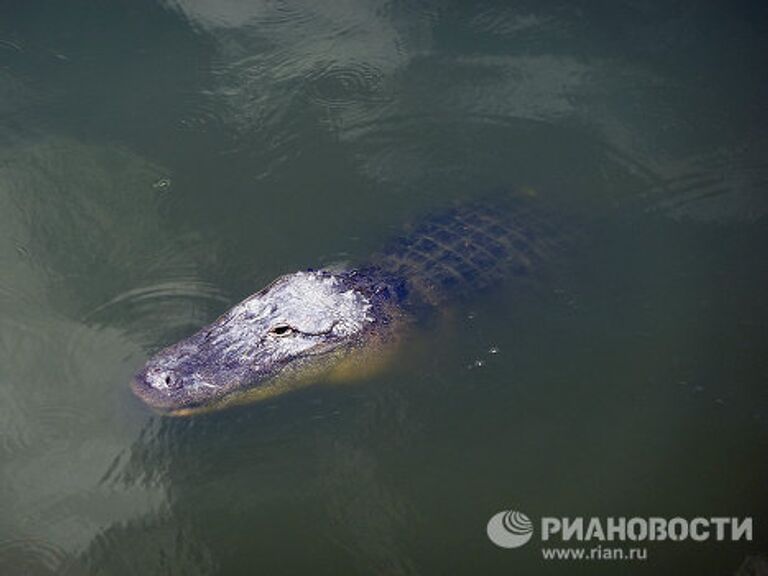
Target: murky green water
point(161, 160)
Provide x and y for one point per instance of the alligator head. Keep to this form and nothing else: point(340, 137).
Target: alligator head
point(300, 325)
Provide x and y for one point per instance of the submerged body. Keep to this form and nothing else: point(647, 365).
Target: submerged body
point(306, 325)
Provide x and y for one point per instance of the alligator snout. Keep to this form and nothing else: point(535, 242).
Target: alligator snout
point(163, 379)
point(160, 388)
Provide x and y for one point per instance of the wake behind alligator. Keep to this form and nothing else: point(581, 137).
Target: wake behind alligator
point(312, 325)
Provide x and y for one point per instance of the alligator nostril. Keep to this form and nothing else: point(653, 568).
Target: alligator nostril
point(167, 381)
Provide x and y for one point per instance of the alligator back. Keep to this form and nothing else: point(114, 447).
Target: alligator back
point(471, 247)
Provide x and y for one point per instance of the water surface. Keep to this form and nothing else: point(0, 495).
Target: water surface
point(160, 160)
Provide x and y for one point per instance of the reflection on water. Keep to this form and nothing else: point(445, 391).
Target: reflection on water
point(162, 159)
point(65, 242)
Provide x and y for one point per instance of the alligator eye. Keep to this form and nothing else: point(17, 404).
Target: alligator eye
point(281, 330)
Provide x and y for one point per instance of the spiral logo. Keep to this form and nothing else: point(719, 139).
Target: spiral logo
point(509, 529)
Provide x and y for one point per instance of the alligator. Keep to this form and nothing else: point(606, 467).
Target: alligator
point(313, 325)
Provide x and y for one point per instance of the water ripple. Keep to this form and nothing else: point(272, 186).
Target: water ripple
point(504, 21)
point(209, 16)
point(10, 45)
point(154, 310)
point(336, 84)
point(186, 288)
point(32, 557)
point(202, 117)
point(14, 429)
point(725, 185)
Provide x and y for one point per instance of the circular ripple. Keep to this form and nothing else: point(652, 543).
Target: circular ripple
point(336, 85)
point(160, 310)
point(182, 288)
point(32, 557)
point(202, 118)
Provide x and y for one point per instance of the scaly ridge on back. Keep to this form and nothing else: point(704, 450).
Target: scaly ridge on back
point(468, 248)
